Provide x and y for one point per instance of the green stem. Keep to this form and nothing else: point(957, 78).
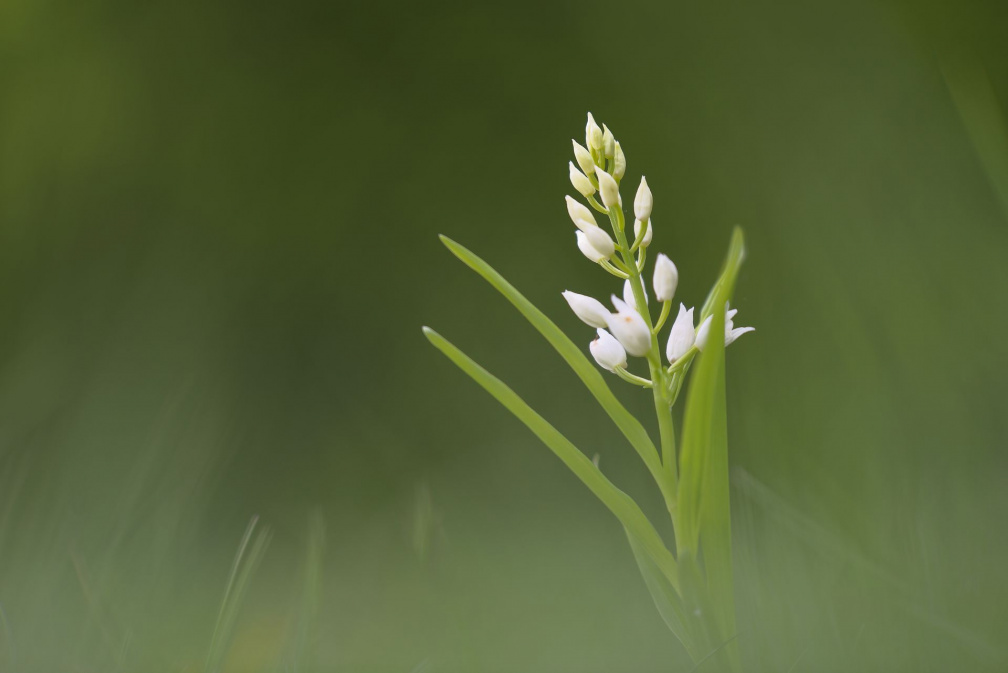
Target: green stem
point(663, 407)
point(665, 309)
point(640, 237)
point(633, 378)
point(595, 204)
point(613, 270)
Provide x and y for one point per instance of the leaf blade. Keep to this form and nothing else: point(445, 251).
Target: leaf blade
point(631, 428)
point(703, 497)
point(618, 502)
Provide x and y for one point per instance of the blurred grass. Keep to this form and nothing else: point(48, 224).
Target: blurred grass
point(217, 241)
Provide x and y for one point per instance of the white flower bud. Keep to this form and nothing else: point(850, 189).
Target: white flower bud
point(666, 278)
point(628, 295)
point(702, 333)
point(589, 250)
point(619, 163)
point(681, 338)
point(643, 202)
point(586, 248)
point(607, 351)
point(580, 182)
point(593, 134)
point(608, 188)
point(629, 328)
point(608, 142)
point(583, 158)
point(579, 212)
point(647, 235)
point(589, 309)
point(600, 240)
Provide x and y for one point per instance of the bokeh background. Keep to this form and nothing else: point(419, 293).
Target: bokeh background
point(218, 244)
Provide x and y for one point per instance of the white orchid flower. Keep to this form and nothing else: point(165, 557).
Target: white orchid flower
point(629, 328)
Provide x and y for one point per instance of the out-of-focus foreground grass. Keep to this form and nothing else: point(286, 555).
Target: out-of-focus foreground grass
point(217, 244)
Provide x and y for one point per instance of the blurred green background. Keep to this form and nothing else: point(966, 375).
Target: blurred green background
point(218, 244)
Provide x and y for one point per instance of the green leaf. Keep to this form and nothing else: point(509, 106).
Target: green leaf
point(703, 498)
point(575, 358)
point(704, 417)
point(665, 596)
point(618, 502)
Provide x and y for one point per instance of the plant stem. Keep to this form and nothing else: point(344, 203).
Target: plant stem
point(659, 377)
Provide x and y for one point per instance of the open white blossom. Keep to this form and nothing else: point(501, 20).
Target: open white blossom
point(629, 328)
point(590, 310)
point(682, 336)
point(731, 333)
point(607, 351)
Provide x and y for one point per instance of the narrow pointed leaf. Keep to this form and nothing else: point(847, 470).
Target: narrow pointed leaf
point(703, 497)
point(575, 358)
point(665, 596)
point(705, 402)
point(618, 502)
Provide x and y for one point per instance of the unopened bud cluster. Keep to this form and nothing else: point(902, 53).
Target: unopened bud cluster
point(598, 167)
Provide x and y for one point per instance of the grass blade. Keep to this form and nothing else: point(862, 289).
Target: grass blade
point(575, 358)
point(245, 563)
point(299, 655)
point(618, 502)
